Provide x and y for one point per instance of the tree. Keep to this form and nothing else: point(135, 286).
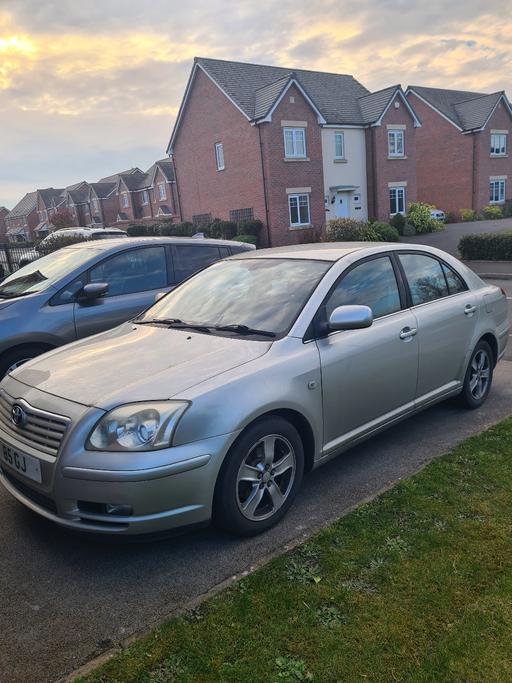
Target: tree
point(62, 219)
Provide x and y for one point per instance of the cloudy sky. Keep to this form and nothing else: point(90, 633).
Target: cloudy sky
point(91, 87)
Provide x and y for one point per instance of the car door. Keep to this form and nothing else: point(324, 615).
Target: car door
point(446, 313)
point(368, 375)
point(134, 277)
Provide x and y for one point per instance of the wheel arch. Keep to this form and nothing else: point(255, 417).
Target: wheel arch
point(493, 343)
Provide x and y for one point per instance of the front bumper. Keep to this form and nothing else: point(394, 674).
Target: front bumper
point(131, 494)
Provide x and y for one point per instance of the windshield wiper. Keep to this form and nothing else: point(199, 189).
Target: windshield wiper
point(175, 323)
point(244, 329)
point(11, 295)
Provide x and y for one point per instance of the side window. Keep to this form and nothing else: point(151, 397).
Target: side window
point(68, 293)
point(425, 276)
point(455, 282)
point(189, 259)
point(137, 270)
point(224, 252)
point(372, 283)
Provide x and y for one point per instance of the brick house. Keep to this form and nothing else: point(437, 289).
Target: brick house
point(147, 196)
point(291, 147)
point(76, 203)
point(462, 148)
point(3, 224)
point(23, 219)
point(47, 201)
point(103, 204)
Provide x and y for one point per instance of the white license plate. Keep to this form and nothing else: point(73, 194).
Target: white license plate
point(26, 465)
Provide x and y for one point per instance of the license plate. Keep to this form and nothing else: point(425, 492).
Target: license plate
point(26, 465)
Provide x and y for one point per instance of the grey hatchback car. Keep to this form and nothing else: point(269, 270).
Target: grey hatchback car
point(92, 286)
point(214, 401)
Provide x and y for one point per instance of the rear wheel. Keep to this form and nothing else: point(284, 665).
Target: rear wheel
point(260, 477)
point(13, 359)
point(478, 379)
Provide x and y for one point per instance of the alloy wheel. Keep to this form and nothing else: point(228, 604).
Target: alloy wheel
point(480, 374)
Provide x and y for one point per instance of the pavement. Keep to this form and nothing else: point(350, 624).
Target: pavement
point(66, 599)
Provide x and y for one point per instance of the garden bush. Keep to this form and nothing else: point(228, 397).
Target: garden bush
point(490, 246)
point(225, 230)
point(409, 230)
point(350, 230)
point(507, 209)
point(57, 243)
point(398, 222)
point(451, 217)
point(248, 239)
point(419, 217)
point(143, 229)
point(467, 215)
point(386, 232)
point(492, 212)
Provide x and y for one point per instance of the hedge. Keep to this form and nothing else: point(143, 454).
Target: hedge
point(489, 246)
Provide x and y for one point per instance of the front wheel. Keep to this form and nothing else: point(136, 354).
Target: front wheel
point(478, 379)
point(11, 360)
point(260, 477)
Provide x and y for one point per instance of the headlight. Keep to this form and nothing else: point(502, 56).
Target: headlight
point(137, 427)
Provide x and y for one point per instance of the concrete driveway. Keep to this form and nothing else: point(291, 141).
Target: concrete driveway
point(448, 239)
point(65, 598)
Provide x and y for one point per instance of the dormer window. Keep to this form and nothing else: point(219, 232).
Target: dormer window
point(162, 194)
point(498, 144)
point(294, 143)
point(395, 143)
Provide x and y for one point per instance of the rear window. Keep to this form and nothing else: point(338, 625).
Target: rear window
point(189, 259)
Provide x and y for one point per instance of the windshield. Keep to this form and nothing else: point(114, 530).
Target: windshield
point(263, 295)
point(44, 272)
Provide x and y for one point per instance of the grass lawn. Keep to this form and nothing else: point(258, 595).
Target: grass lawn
point(414, 586)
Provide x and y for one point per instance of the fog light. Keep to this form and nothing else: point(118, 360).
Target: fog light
point(121, 510)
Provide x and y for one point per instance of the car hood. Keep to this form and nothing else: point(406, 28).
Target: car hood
point(135, 363)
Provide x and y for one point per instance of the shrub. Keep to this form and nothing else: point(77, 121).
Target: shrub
point(507, 209)
point(143, 230)
point(419, 216)
point(409, 230)
point(309, 235)
point(223, 229)
point(451, 217)
point(467, 215)
point(487, 246)
point(350, 230)
point(57, 243)
point(250, 226)
point(184, 229)
point(386, 232)
point(248, 239)
point(398, 222)
point(492, 212)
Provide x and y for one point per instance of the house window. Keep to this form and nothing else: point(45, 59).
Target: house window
point(201, 220)
point(298, 206)
point(238, 215)
point(497, 191)
point(395, 143)
point(95, 204)
point(124, 200)
point(294, 143)
point(396, 200)
point(219, 156)
point(498, 144)
point(162, 194)
point(339, 146)
point(145, 197)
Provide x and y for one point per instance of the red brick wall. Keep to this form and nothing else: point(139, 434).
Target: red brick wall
point(3, 225)
point(445, 161)
point(485, 165)
point(209, 118)
point(281, 174)
point(387, 170)
point(169, 201)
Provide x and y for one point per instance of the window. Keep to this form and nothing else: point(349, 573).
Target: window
point(498, 144)
point(453, 280)
point(162, 194)
point(339, 146)
point(294, 142)
point(396, 200)
point(190, 259)
point(95, 204)
point(372, 283)
point(219, 156)
point(137, 270)
point(238, 215)
point(124, 200)
point(298, 205)
point(425, 277)
point(395, 143)
point(497, 191)
point(201, 220)
point(145, 197)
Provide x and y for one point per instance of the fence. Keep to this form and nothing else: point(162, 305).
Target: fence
point(14, 255)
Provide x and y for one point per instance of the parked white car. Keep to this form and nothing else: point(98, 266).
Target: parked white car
point(438, 215)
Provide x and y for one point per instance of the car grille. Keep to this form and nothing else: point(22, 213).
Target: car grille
point(42, 430)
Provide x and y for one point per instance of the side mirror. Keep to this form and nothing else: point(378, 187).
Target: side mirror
point(92, 291)
point(350, 318)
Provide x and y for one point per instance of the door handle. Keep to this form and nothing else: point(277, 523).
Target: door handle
point(469, 309)
point(408, 333)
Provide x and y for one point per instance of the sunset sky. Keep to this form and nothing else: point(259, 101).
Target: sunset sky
point(91, 87)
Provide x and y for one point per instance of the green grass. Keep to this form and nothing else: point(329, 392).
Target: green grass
point(415, 586)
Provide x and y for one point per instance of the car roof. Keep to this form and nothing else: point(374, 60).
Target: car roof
point(113, 243)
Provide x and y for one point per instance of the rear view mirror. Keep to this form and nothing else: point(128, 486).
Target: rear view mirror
point(350, 318)
point(92, 291)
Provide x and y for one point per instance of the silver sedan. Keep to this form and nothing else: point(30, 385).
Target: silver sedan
point(215, 401)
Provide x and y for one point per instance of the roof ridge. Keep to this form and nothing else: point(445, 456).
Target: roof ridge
point(274, 66)
point(376, 92)
point(287, 76)
point(473, 99)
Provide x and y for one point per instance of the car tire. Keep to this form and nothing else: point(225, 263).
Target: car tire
point(12, 359)
point(260, 477)
point(478, 378)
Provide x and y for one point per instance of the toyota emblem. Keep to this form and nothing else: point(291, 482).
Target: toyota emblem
point(18, 415)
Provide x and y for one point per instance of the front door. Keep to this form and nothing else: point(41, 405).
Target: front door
point(342, 204)
point(368, 375)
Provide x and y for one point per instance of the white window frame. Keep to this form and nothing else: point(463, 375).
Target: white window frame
point(339, 135)
point(124, 200)
point(395, 135)
point(399, 189)
point(145, 197)
point(219, 156)
point(95, 204)
point(297, 198)
point(293, 151)
point(496, 143)
point(497, 189)
point(162, 192)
